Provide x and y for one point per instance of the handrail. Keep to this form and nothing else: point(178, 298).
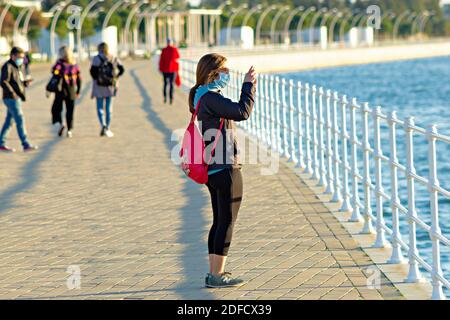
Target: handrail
point(324, 133)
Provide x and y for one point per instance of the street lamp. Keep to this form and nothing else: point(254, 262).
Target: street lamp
point(18, 20)
point(289, 20)
point(302, 21)
point(3, 15)
point(250, 13)
point(231, 19)
point(398, 22)
point(425, 20)
point(260, 21)
point(132, 13)
point(113, 9)
point(333, 23)
point(80, 27)
point(27, 20)
point(313, 23)
point(344, 24)
point(56, 11)
point(274, 22)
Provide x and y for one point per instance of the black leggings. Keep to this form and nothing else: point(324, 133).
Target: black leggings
point(169, 78)
point(58, 107)
point(226, 191)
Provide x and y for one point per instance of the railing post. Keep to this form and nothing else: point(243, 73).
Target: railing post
point(308, 169)
point(272, 114)
point(380, 241)
point(315, 165)
point(260, 101)
point(368, 226)
point(278, 120)
point(337, 182)
point(292, 123)
point(268, 117)
point(262, 111)
point(397, 256)
point(344, 163)
point(284, 109)
point(322, 169)
point(433, 182)
point(414, 275)
point(301, 155)
point(329, 152)
point(356, 216)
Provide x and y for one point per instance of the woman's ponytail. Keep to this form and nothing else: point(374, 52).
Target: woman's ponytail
point(191, 98)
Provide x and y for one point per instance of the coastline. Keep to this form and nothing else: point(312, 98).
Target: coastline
point(301, 60)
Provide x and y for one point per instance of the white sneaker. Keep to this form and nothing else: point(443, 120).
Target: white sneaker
point(69, 134)
point(109, 133)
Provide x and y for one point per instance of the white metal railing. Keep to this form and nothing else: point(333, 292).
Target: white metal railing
point(325, 134)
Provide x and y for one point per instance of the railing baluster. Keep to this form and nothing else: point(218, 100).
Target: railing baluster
point(356, 216)
point(292, 130)
point(315, 165)
point(308, 169)
point(268, 114)
point(301, 154)
point(368, 226)
point(272, 114)
point(337, 182)
point(329, 151)
point(344, 163)
point(284, 109)
point(322, 169)
point(380, 241)
point(414, 275)
point(397, 256)
point(262, 110)
point(278, 119)
point(433, 182)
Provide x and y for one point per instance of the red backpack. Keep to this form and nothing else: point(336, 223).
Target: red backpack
point(193, 149)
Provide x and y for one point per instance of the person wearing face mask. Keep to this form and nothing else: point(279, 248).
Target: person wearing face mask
point(225, 184)
point(13, 84)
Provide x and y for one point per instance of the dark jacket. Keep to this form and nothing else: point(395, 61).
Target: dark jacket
point(12, 81)
point(213, 106)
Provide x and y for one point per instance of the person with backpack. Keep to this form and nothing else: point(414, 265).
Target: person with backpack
point(105, 71)
point(13, 84)
point(217, 115)
point(169, 67)
point(67, 77)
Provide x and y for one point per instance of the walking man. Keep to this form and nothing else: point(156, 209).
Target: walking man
point(13, 85)
point(168, 65)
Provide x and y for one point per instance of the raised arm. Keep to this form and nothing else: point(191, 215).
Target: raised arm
point(222, 107)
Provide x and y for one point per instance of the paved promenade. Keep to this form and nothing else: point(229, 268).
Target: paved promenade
point(120, 211)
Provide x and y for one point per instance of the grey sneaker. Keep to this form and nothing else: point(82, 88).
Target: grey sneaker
point(223, 281)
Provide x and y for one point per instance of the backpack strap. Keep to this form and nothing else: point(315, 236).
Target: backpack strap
point(216, 140)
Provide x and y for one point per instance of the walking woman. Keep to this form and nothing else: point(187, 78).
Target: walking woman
point(105, 71)
point(70, 88)
point(225, 179)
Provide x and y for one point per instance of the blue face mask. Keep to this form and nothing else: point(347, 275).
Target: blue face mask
point(222, 82)
point(19, 62)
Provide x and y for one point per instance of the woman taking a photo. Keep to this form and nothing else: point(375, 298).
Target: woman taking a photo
point(224, 171)
point(69, 73)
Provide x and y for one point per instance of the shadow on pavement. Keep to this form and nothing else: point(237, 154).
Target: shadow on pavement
point(28, 177)
point(194, 256)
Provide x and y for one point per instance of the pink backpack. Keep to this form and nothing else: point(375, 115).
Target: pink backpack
point(193, 148)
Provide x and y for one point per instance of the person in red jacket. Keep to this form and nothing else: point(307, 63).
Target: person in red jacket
point(168, 65)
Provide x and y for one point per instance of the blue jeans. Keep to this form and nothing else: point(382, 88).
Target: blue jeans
point(102, 105)
point(14, 111)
